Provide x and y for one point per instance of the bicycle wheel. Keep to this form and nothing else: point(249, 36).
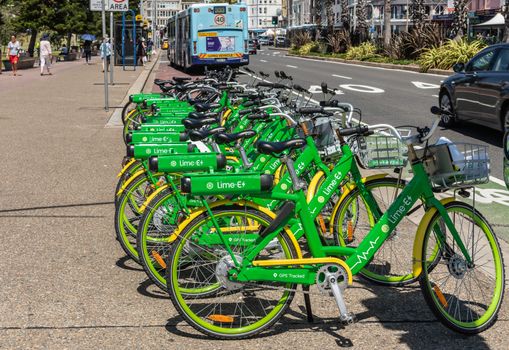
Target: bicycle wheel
point(132, 169)
point(160, 219)
point(128, 214)
point(353, 219)
point(131, 121)
point(464, 297)
point(232, 310)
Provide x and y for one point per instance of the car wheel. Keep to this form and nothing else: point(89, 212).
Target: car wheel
point(446, 105)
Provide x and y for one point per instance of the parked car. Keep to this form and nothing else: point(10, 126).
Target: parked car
point(479, 91)
point(506, 158)
point(281, 41)
point(251, 47)
point(266, 40)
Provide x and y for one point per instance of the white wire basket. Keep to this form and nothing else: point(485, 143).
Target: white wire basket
point(456, 165)
point(382, 151)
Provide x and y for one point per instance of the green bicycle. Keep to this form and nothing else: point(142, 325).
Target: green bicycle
point(232, 290)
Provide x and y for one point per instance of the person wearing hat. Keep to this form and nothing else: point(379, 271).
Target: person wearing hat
point(105, 50)
point(45, 54)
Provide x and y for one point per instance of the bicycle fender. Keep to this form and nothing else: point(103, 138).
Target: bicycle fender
point(349, 188)
point(419, 237)
point(128, 164)
point(224, 202)
point(129, 180)
point(313, 185)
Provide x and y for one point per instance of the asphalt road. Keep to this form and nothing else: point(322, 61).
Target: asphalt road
point(389, 96)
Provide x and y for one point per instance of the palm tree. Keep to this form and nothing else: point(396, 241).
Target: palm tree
point(506, 16)
point(387, 23)
point(459, 23)
point(418, 13)
point(329, 15)
point(345, 15)
point(362, 20)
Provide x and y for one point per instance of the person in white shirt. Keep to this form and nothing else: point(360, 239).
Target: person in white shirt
point(105, 50)
point(45, 54)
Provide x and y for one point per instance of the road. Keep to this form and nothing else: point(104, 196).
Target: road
point(389, 96)
point(65, 283)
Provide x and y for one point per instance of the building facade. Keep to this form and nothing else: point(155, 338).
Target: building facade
point(160, 11)
point(261, 13)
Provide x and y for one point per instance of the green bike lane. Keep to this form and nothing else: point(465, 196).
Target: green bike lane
point(65, 282)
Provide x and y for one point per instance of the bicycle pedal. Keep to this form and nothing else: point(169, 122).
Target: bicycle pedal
point(347, 319)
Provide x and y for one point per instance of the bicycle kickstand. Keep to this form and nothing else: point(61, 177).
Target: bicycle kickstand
point(307, 302)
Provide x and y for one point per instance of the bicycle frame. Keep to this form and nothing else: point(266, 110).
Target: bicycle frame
point(357, 257)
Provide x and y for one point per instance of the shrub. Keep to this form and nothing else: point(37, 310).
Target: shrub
point(447, 55)
point(313, 46)
point(362, 52)
point(411, 44)
point(301, 39)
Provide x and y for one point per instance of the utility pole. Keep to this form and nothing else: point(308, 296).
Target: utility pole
point(103, 18)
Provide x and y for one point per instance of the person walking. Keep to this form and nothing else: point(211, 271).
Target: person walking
point(141, 52)
point(150, 47)
point(0, 59)
point(13, 53)
point(87, 49)
point(45, 54)
point(105, 49)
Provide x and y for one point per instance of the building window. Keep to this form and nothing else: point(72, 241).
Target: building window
point(260, 21)
point(265, 10)
point(261, 10)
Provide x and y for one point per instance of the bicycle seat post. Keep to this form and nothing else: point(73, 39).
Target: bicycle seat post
point(296, 183)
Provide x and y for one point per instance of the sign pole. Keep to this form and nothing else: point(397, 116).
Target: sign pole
point(103, 17)
point(112, 43)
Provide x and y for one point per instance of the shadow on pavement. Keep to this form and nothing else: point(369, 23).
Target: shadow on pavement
point(149, 289)
point(127, 263)
point(403, 311)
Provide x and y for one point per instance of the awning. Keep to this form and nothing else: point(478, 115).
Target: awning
point(497, 21)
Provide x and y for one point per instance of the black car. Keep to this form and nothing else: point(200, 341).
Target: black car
point(479, 91)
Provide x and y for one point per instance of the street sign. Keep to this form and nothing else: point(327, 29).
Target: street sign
point(95, 5)
point(118, 5)
point(111, 5)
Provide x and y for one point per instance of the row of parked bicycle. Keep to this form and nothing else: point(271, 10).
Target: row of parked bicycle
point(232, 194)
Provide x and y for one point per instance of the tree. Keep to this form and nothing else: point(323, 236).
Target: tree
point(329, 15)
point(345, 15)
point(418, 13)
point(459, 23)
point(506, 17)
point(362, 20)
point(70, 17)
point(387, 23)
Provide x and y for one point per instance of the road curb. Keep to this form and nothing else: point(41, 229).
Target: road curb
point(411, 68)
point(115, 120)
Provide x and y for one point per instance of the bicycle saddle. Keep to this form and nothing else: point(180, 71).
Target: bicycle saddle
point(181, 79)
point(201, 115)
point(199, 135)
point(163, 82)
point(222, 138)
point(202, 107)
point(191, 123)
point(266, 147)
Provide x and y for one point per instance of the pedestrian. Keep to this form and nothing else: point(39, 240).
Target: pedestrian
point(0, 59)
point(141, 51)
point(105, 49)
point(150, 48)
point(12, 53)
point(45, 54)
point(87, 49)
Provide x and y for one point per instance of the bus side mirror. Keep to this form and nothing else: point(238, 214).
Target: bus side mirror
point(506, 158)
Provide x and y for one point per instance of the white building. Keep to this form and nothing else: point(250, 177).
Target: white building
point(299, 12)
point(164, 10)
point(261, 12)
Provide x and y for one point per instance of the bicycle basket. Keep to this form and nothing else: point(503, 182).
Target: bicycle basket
point(381, 150)
point(456, 165)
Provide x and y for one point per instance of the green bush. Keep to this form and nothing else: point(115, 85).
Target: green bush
point(447, 55)
point(362, 52)
point(305, 49)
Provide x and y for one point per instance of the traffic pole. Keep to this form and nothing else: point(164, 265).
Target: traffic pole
point(112, 43)
point(103, 17)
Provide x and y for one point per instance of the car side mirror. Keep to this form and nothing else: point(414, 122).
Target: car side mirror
point(458, 67)
point(506, 158)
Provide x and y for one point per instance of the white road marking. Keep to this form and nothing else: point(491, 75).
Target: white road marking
point(362, 88)
point(263, 61)
point(290, 66)
point(497, 181)
point(317, 89)
point(276, 53)
point(421, 85)
point(434, 96)
point(341, 76)
point(369, 67)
